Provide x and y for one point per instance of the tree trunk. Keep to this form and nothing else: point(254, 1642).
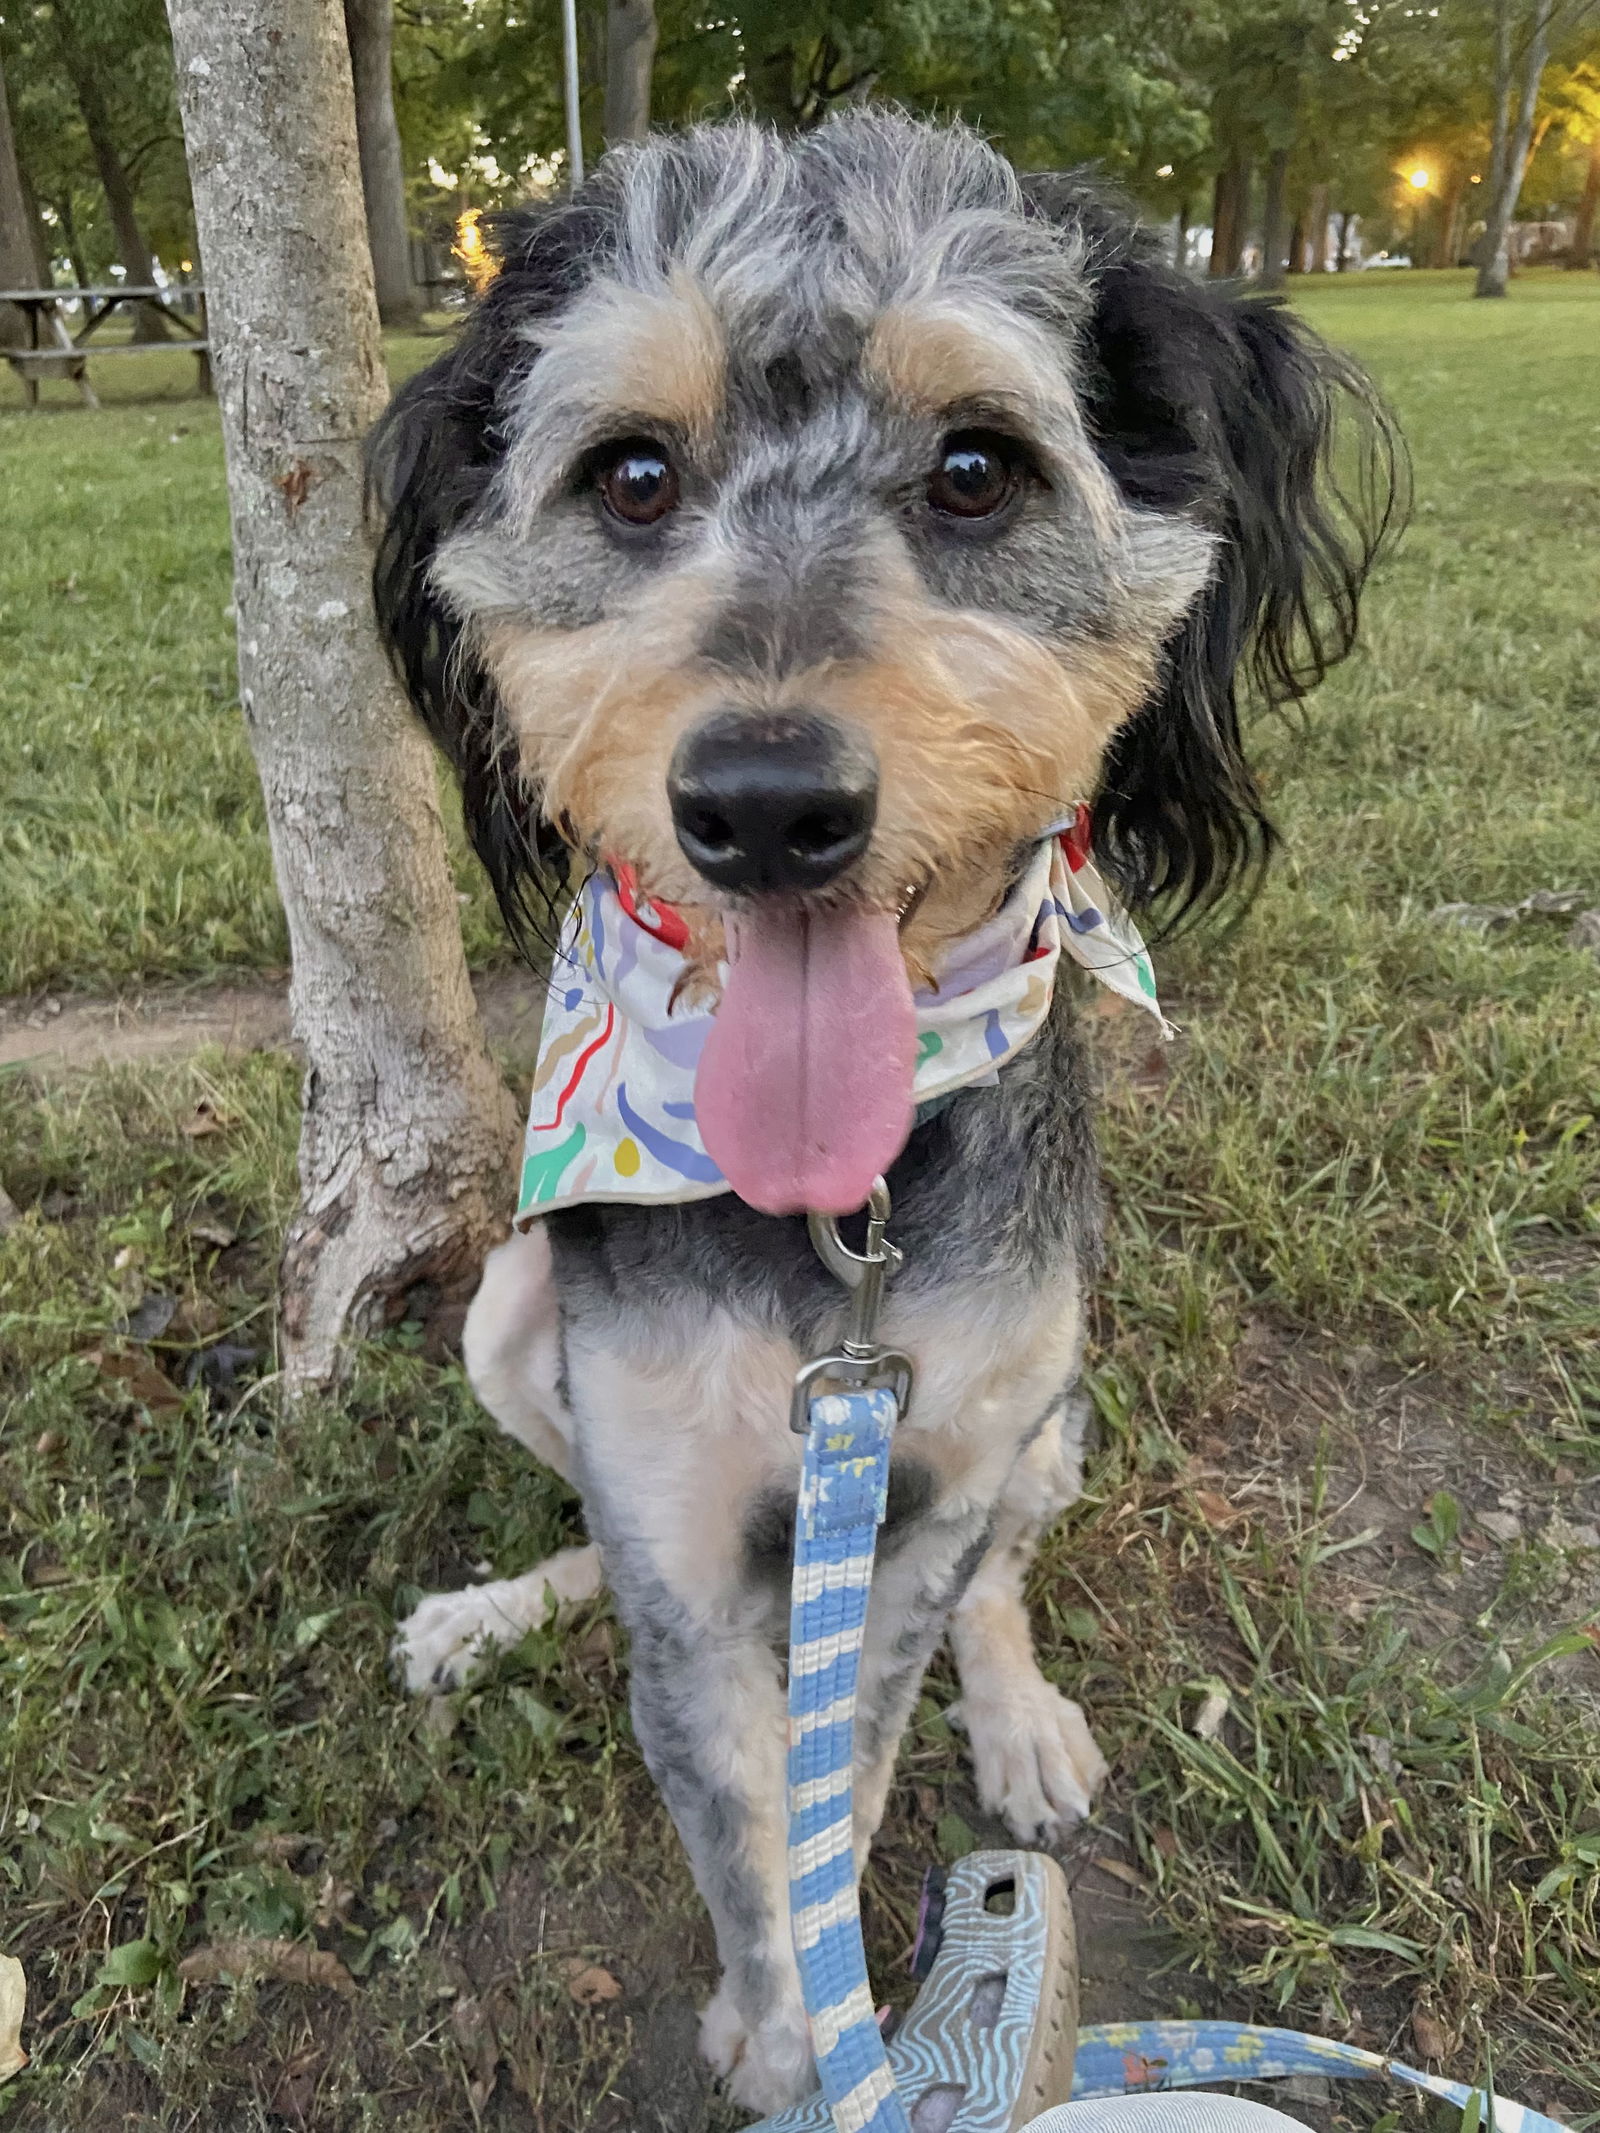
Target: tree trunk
point(1230, 216)
point(369, 30)
point(1343, 260)
point(1582, 252)
point(1275, 220)
point(1317, 231)
point(1495, 270)
point(1180, 235)
point(406, 1151)
point(1447, 230)
point(1297, 245)
point(21, 258)
point(630, 56)
point(115, 183)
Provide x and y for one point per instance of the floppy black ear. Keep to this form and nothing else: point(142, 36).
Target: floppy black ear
point(431, 462)
point(1225, 407)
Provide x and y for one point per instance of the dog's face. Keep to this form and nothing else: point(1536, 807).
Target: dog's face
point(802, 575)
point(805, 519)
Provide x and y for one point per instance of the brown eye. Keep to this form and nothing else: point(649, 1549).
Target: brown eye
point(977, 475)
point(638, 484)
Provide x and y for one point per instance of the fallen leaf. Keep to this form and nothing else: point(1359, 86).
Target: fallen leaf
point(204, 1119)
point(151, 1317)
point(137, 1376)
point(1428, 2036)
point(334, 1899)
point(473, 2030)
point(1208, 1719)
point(292, 1962)
point(1166, 1842)
point(295, 2090)
point(217, 1233)
point(1119, 1870)
point(1214, 1509)
point(13, 2005)
point(10, 1212)
point(591, 1986)
point(1585, 931)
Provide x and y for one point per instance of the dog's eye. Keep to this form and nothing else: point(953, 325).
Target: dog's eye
point(638, 483)
point(977, 475)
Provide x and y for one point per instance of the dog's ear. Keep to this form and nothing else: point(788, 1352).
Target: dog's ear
point(1225, 407)
point(431, 462)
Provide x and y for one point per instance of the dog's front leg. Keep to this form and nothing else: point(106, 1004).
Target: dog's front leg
point(681, 1439)
point(708, 1710)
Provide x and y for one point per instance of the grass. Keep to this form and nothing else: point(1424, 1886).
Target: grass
point(133, 844)
point(1352, 1310)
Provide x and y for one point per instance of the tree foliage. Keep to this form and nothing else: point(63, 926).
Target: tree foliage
point(1326, 106)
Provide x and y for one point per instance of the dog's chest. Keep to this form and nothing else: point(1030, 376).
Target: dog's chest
point(688, 1464)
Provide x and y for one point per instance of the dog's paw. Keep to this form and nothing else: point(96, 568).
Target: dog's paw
point(1035, 1759)
point(766, 2068)
point(447, 1633)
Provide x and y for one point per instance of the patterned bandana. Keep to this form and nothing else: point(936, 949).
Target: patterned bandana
point(612, 1116)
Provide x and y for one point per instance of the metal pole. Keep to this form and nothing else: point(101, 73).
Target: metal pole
point(569, 66)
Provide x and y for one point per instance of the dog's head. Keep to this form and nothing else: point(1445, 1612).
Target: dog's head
point(812, 522)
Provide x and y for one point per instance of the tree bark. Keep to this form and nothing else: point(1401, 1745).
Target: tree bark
point(1297, 245)
point(1275, 220)
point(630, 57)
point(1342, 262)
point(1447, 228)
point(22, 263)
point(1230, 216)
point(1495, 270)
point(115, 183)
point(1582, 253)
point(1317, 230)
point(406, 1151)
point(369, 31)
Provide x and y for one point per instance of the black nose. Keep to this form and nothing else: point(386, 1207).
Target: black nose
point(785, 802)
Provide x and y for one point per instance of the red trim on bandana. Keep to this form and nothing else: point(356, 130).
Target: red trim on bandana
point(1075, 841)
point(668, 928)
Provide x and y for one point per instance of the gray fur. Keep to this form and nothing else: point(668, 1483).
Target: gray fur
point(799, 247)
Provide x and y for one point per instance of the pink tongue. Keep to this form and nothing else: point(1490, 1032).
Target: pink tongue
point(803, 1094)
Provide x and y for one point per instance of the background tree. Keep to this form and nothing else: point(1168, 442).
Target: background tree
point(1519, 66)
point(408, 1131)
point(631, 36)
point(22, 263)
point(369, 30)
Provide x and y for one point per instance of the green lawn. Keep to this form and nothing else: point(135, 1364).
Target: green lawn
point(1347, 1365)
point(132, 842)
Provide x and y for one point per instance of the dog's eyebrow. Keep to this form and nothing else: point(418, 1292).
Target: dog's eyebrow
point(621, 356)
point(935, 355)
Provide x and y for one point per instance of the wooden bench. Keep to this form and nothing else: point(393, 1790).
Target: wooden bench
point(54, 351)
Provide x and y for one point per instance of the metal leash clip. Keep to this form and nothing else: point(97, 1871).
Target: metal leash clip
point(861, 1361)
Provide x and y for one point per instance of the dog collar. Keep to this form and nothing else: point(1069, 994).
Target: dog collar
point(612, 1114)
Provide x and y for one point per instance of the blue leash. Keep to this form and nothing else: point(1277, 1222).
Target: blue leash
point(843, 1491)
point(844, 1485)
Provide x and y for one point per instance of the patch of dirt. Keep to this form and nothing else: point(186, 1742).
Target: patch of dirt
point(1390, 1441)
point(49, 1032)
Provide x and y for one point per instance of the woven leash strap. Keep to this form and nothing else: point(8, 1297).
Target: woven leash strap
point(843, 1492)
point(1137, 2058)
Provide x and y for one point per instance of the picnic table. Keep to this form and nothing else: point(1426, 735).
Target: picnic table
point(57, 351)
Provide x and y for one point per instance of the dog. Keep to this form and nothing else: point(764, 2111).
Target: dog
point(798, 530)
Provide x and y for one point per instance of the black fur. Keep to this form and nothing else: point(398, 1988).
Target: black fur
point(1207, 400)
point(430, 463)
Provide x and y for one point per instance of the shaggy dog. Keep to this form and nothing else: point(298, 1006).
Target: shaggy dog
point(800, 528)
